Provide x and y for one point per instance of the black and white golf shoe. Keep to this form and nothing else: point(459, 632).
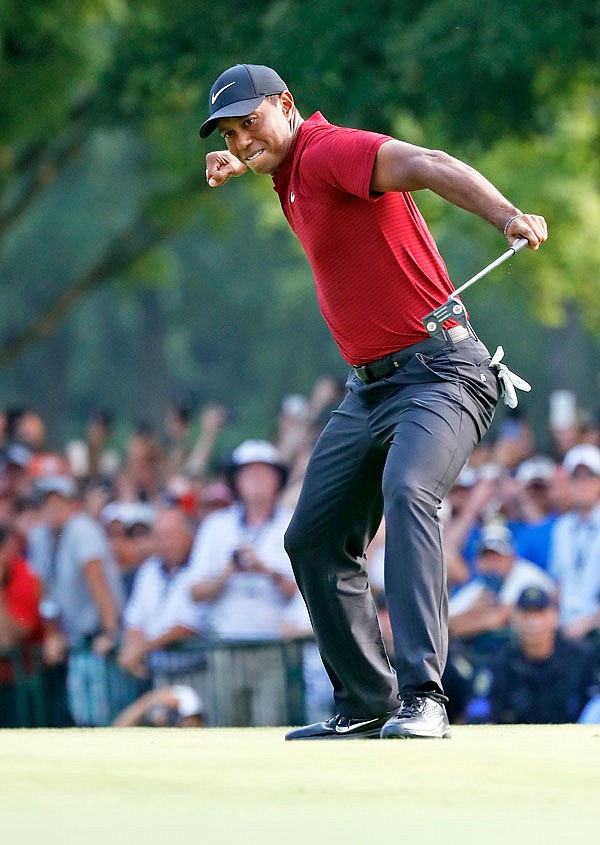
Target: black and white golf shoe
point(422, 715)
point(341, 727)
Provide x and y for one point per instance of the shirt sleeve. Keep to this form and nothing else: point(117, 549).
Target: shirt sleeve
point(136, 607)
point(24, 597)
point(556, 551)
point(183, 610)
point(343, 159)
point(212, 549)
point(464, 598)
point(271, 549)
point(90, 543)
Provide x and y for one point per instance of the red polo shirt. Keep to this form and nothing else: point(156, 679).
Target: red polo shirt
point(377, 269)
point(21, 596)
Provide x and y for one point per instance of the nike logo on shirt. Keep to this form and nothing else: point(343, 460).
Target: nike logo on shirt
point(218, 93)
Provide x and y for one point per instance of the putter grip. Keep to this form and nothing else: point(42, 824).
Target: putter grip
point(519, 244)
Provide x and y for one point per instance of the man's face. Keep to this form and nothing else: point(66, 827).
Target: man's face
point(261, 139)
point(585, 489)
point(172, 536)
point(534, 625)
point(57, 510)
point(491, 562)
point(257, 482)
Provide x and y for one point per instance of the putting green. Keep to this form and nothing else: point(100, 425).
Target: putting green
point(493, 784)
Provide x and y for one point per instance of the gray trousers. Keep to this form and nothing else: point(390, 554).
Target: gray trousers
point(392, 448)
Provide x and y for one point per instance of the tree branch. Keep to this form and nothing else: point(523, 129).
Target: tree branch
point(38, 164)
point(122, 252)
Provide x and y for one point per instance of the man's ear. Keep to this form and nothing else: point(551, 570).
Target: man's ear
point(287, 103)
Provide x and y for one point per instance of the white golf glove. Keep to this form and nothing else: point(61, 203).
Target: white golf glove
point(508, 380)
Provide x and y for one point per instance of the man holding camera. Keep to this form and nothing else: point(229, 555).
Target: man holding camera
point(239, 565)
point(240, 570)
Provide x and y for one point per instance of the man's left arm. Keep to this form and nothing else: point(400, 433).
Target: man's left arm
point(11, 632)
point(400, 166)
point(93, 572)
point(176, 634)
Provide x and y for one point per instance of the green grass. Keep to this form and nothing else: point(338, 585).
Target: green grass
point(488, 784)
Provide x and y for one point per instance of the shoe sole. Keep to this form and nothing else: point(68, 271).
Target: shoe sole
point(372, 734)
point(398, 735)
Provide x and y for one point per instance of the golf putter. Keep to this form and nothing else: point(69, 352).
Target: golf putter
point(453, 310)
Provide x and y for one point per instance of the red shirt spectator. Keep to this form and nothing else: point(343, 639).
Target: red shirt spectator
point(20, 591)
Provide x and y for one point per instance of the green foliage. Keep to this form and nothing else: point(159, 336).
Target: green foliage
point(558, 172)
point(475, 65)
point(50, 52)
point(115, 252)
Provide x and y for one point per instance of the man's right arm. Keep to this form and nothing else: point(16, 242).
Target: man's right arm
point(133, 651)
point(221, 166)
point(400, 166)
point(211, 588)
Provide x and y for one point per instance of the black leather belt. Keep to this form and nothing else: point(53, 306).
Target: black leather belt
point(389, 364)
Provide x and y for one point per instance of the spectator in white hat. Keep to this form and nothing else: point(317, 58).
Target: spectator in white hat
point(128, 526)
point(575, 547)
point(239, 565)
point(241, 570)
point(537, 503)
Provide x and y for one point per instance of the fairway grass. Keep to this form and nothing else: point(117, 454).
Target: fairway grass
point(489, 784)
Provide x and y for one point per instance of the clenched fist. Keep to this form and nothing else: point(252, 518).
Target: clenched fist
point(221, 166)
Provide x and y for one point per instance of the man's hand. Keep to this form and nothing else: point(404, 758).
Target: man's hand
point(213, 418)
point(580, 627)
point(132, 659)
point(221, 166)
point(54, 648)
point(104, 643)
point(530, 226)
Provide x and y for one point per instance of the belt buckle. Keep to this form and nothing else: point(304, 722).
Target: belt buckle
point(362, 373)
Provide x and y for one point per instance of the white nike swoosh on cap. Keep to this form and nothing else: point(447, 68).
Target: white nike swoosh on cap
point(213, 98)
point(344, 730)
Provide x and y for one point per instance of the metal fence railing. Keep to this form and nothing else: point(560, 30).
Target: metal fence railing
point(243, 683)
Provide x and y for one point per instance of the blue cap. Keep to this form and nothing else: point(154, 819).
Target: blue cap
point(238, 91)
point(534, 598)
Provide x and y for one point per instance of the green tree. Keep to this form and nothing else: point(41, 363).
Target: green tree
point(101, 172)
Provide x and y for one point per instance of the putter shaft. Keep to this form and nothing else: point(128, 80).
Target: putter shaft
point(500, 260)
point(451, 309)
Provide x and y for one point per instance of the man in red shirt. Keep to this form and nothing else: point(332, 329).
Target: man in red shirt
point(416, 405)
point(20, 622)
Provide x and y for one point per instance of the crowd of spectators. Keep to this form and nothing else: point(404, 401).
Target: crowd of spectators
point(121, 569)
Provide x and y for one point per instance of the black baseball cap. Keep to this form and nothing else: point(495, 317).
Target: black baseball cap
point(534, 598)
point(238, 91)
